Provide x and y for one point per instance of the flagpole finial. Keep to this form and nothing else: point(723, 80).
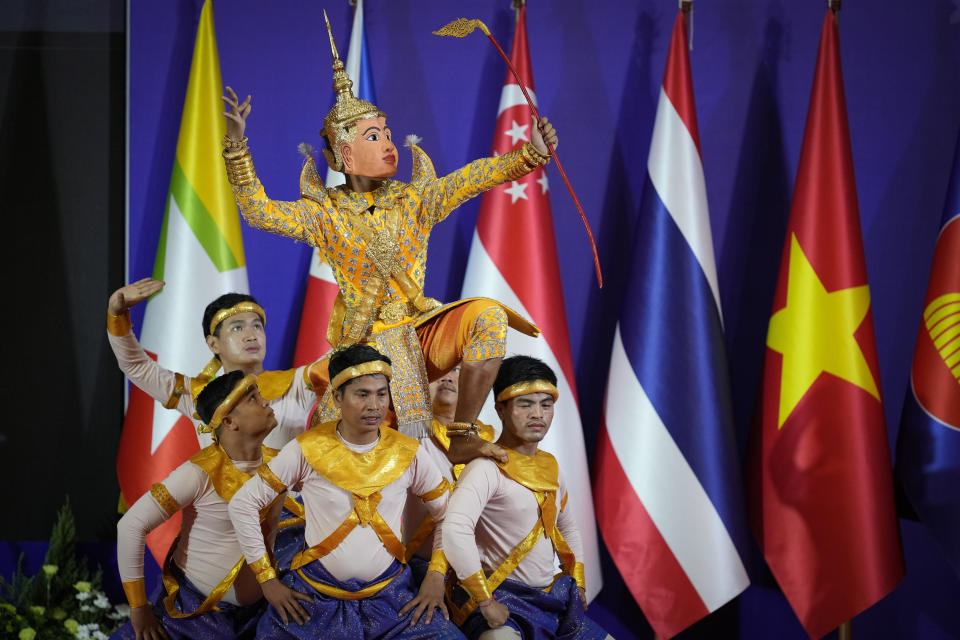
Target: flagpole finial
point(686, 5)
point(834, 5)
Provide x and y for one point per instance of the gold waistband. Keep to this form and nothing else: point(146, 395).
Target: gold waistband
point(343, 594)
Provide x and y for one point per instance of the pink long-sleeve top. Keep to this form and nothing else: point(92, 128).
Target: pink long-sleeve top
point(291, 409)
point(415, 511)
point(208, 547)
point(361, 554)
point(489, 515)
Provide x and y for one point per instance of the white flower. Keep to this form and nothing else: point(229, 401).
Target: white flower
point(123, 610)
point(83, 595)
point(101, 601)
point(100, 635)
point(82, 633)
point(86, 608)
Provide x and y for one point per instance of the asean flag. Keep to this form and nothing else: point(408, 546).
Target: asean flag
point(821, 490)
point(513, 259)
point(928, 447)
point(668, 490)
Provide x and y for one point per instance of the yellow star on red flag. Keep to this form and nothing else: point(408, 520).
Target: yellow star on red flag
point(815, 333)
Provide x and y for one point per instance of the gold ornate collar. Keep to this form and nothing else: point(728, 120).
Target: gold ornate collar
point(272, 384)
point(362, 474)
point(539, 472)
point(225, 477)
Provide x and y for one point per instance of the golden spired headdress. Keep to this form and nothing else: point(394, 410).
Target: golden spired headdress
point(340, 124)
point(238, 392)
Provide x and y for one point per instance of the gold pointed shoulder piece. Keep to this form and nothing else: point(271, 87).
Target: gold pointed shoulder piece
point(461, 28)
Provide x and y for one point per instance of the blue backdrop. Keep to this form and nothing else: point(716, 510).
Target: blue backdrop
point(597, 69)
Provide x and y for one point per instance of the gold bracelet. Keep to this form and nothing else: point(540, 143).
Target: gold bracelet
point(462, 429)
point(532, 156)
point(240, 169)
point(230, 143)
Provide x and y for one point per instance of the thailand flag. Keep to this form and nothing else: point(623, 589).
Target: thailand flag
point(668, 489)
point(321, 286)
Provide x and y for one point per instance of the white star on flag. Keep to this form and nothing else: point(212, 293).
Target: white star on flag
point(517, 132)
point(517, 190)
point(543, 182)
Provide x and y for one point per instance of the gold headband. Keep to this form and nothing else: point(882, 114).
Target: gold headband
point(241, 307)
point(239, 392)
point(362, 369)
point(527, 387)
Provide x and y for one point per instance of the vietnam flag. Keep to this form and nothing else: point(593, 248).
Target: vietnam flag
point(200, 256)
point(821, 485)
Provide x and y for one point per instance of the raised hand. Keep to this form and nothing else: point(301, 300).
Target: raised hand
point(544, 133)
point(236, 114)
point(131, 294)
point(286, 601)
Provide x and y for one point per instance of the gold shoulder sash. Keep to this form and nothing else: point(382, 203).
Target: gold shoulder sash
point(274, 384)
point(363, 475)
point(540, 474)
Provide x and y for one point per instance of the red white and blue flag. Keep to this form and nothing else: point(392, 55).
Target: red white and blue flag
point(668, 489)
point(513, 259)
point(928, 447)
point(321, 286)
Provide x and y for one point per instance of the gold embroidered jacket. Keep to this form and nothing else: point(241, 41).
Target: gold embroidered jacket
point(376, 243)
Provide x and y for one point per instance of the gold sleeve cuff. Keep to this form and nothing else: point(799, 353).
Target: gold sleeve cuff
point(263, 569)
point(164, 499)
point(438, 562)
point(271, 478)
point(476, 586)
point(174, 398)
point(433, 494)
point(119, 325)
point(240, 169)
point(136, 593)
point(578, 575)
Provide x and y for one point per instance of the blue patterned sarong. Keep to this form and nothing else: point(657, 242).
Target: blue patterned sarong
point(373, 618)
point(537, 614)
point(228, 623)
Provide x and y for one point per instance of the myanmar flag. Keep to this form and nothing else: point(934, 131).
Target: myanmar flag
point(821, 483)
point(199, 256)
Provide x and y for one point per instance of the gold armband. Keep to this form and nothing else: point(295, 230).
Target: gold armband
point(462, 429)
point(476, 586)
point(167, 502)
point(263, 569)
point(119, 325)
point(578, 575)
point(240, 170)
point(438, 562)
point(436, 492)
point(136, 593)
point(174, 398)
point(532, 156)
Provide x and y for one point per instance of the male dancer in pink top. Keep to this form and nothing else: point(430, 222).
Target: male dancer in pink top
point(507, 521)
point(355, 475)
point(233, 326)
point(205, 568)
